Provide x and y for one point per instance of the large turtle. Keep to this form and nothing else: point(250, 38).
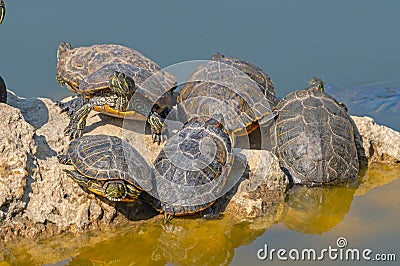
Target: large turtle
point(315, 137)
point(3, 91)
point(106, 76)
point(2, 10)
point(239, 90)
point(107, 166)
point(191, 171)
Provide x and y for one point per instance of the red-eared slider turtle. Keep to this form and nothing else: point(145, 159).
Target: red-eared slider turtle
point(240, 91)
point(3, 91)
point(106, 76)
point(101, 166)
point(192, 169)
point(2, 10)
point(315, 137)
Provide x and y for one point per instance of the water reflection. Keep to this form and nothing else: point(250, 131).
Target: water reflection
point(318, 209)
point(184, 242)
point(193, 241)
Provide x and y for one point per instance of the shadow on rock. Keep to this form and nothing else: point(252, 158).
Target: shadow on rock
point(34, 110)
point(44, 151)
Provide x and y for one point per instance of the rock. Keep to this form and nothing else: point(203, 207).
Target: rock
point(380, 143)
point(17, 146)
point(37, 198)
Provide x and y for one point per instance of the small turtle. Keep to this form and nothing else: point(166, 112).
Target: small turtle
point(241, 91)
point(101, 166)
point(314, 137)
point(192, 169)
point(3, 91)
point(106, 76)
point(2, 10)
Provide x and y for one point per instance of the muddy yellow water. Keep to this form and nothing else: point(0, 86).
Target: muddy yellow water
point(364, 214)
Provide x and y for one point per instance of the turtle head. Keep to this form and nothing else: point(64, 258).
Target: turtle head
point(62, 48)
point(117, 190)
point(316, 84)
point(121, 84)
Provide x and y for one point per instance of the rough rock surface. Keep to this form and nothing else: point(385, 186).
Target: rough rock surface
point(380, 143)
point(37, 197)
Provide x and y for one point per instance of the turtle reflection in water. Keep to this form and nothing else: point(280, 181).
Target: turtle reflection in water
point(314, 137)
point(314, 210)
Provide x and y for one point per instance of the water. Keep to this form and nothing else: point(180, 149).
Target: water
point(348, 44)
point(364, 212)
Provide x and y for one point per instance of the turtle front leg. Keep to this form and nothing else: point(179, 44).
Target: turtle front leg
point(77, 123)
point(157, 126)
point(124, 87)
point(72, 105)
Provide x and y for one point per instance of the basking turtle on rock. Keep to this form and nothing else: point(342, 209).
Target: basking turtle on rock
point(243, 93)
point(106, 76)
point(192, 170)
point(189, 174)
point(314, 137)
point(101, 166)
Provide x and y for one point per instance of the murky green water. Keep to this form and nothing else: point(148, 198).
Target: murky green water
point(347, 43)
point(365, 213)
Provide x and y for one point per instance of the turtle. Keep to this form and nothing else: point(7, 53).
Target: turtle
point(239, 90)
point(2, 10)
point(314, 137)
point(107, 166)
point(106, 77)
point(3, 91)
point(192, 169)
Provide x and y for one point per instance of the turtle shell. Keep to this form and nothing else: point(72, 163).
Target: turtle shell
point(102, 157)
point(3, 91)
point(86, 70)
point(2, 10)
point(193, 168)
point(314, 138)
point(240, 91)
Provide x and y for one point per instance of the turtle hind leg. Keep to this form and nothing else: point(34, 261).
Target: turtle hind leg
point(64, 159)
point(72, 105)
point(157, 127)
point(124, 87)
point(211, 214)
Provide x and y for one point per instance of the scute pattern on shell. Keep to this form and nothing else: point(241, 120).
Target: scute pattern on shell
point(105, 157)
point(193, 167)
point(87, 69)
point(315, 138)
point(226, 87)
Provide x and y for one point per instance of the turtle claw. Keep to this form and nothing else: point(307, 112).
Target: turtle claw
point(167, 218)
point(157, 138)
point(71, 106)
